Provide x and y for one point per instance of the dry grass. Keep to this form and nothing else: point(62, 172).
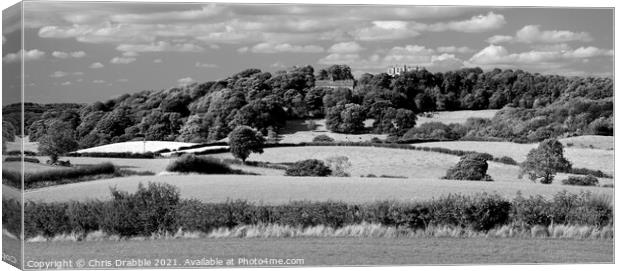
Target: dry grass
point(590, 142)
point(30, 167)
point(28, 146)
point(364, 230)
point(283, 189)
point(581, 158)
point(297, 131)
point(366, 160)
point(461, 116)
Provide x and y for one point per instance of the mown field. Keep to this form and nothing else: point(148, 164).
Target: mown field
point(461, 116)
point(282, 189)
point(340, 251)
point(592, 158)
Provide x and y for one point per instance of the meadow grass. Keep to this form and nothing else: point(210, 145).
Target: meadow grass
point(282, 189)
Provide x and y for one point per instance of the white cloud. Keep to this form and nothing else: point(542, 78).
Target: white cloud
point(29, 55)
point(122, 80)
point(98, 81)
point(96, 65)
point(122, 60)
point(66, 83)
point(476, 24)
point(454, 49)
point(158, 60)
point(58, 74)
point(384, 30)
point(62, 55)
point(345, 48)
point(205, 12)
point(411, 55)
point(533, 34)
point(185, 81)
point(160, 46)
point(499, 55)
point(271, 48)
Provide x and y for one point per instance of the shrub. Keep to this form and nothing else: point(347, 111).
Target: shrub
point(339, 165)
point(588, 180)
point(19, 153)
point(471, 167)
point(309, 167)
point(190, 163)
point(322, 138)
point(149, 210)
point(506, 160)
point(479, 212)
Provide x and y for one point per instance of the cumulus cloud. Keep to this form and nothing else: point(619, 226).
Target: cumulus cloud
point(476, 24)
point(499, 55)
point(63, 55)
point(271, 48)
point(412, 55)
point(160, 46)
point(454, 49)
point(384, 30)
point(345, 48)
point(122, 60)
point(533, 34)
point(186, 81)
point(66, 83)
point(99, 81)
point(28, 55)
point(158, 60)
point(96, 65)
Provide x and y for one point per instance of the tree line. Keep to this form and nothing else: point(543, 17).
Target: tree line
point(534, 106)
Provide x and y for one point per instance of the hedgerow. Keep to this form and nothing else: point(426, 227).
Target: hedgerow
point(156, 208)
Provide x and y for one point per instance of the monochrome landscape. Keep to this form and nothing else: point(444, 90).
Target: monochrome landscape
point(306, 135)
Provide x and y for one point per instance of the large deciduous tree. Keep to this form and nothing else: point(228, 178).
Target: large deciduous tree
point(543, 162)
point(243, 141)
point(58, 140)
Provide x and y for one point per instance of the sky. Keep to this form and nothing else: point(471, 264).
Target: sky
point(85, 52)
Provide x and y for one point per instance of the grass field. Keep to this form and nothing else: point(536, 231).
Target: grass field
point(597, 159)
point(297, 131)
point(282, 189)
point(385, 161)
point(448, 117)
point(28, 146)
point(138, 146)
point(338, 251)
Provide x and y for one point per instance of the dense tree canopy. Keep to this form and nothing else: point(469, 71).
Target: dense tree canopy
point(533, 106)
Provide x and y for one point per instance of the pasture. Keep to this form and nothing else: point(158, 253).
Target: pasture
point(591, 158)
point(339, 251)
point(297, 131)
point(16, 145)
point(461, 117)
point(283, 189)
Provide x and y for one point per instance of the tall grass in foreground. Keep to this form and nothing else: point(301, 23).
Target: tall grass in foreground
point(364, 230)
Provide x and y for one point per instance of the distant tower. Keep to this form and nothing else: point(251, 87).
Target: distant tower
point(398, 70)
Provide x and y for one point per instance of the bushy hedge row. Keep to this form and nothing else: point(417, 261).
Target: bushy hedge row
point(156, 208)
point(585, 171)
point(19, 159)
point(146, 155)
point(18, 153)
point(308, 167)
point(34, 179)
point(588, 180)
point(190, 163)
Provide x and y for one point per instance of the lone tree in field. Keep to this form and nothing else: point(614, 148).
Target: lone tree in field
point(471, 167)
point(243, 141)
point(545, 161)
point(58, 140)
